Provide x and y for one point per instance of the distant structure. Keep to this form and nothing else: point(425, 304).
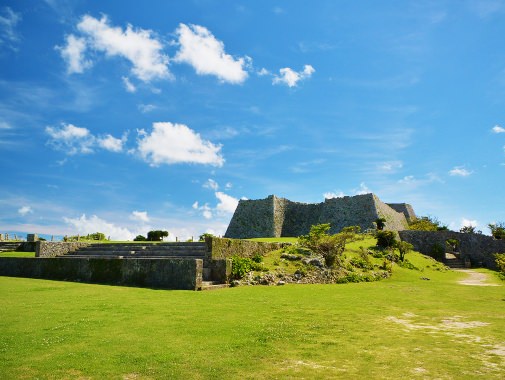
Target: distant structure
point(279, 217)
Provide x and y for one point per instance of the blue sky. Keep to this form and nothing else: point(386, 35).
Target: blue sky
point(121, 118)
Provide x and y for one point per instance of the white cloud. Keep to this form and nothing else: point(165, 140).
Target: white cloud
point(84, 226)
point(111, 143)
point(200, 49)
point(129, 86)
point(71, 139)
point(8, 22)
point(468, 222)
point(145, 108)
point(139, 216)
point(138, 46)
point(228, 185)
point(227, 204)
point(195, 205)
point(211, 184)
point(176, 143)
point(73, 54)
point(363, 189)
point(25, 210)
point(460, 171)
point(263, 72)
point(390, 166)
point(331, 195)
point(4, 125)
point(498, 129)
point(291, 78)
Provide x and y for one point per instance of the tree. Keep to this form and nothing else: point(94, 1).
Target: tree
point(497, 230)
point(427, 223)
point(404, 248)
point(331, 247)
point(140, 238)
point(156, 235)
point(386, 239)
point(380, 223)
point(204, 236)
point(467, 230)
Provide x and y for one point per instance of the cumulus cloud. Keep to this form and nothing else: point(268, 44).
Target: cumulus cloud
point(227, 203)
point(8, 22)
point(73, 140)
point(200, 49)
point(25, 210)
point(111, 143)
point(139, 46)
point(362, 189)
point(331, 195)
point(498, 129)
point(460, 171)
point(171, 143)
point(139, 216)
point(291, 78)
point(73, 53)
point(85, 225)
point(468, 223)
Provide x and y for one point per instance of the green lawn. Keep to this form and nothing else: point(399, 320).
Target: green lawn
point(17, 254)
point(402, 327)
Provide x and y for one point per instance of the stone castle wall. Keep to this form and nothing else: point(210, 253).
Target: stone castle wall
point(404, 208)
point(276, 217)
point(477, 248)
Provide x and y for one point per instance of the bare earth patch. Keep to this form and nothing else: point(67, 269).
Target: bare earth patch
point(451, 326)
point(475, 279)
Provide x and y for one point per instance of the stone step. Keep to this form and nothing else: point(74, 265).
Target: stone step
point(105, 257)
point(139, 253)
point(141, 249)
point(213, 285)
point(149, 246)
point(454, 263)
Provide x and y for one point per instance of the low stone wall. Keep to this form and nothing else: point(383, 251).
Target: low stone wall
point(52, 249)
point(222, 248)
point(155, 273)
point(477, 248)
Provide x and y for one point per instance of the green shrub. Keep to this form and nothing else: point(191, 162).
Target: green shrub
point(140, 238)
point(240, 266)
point(330, 247)
point(359, 262)
point(380, 223)
point(427, 223)
point(437, 252)
point(500, 262)
point(404, 248)
point(497, 230)
point(386, 239)
point(257, 258)
point(204, 236)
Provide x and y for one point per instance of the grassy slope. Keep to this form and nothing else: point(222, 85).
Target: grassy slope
point(59, 330)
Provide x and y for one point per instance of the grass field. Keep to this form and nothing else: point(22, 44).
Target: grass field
point(402, 327)
point(17, 254)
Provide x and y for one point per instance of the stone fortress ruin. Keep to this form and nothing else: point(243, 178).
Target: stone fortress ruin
point(279, 217)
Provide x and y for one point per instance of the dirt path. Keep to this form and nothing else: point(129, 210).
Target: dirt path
point(475, 278)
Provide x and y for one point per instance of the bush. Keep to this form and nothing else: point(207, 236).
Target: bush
point(500, 262)
point(404, 248)
point(140, 238)
point(156, 235)
point(427, 223)
point(240, 266)
point(438, 251)
point(204, 236)
point(386, 239)
point(330, 247)
point(257, 258)
point(380, 223)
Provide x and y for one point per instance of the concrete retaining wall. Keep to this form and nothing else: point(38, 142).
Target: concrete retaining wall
point(155, 273)
point(477, 248)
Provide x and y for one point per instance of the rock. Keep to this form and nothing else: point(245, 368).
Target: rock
point(316, 263)
point(280, 283)
point(235, 283)
point(290, 257)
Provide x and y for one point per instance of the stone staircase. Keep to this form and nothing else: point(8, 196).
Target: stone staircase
point(453, 261)
point(178, 250)
point(9, 246)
